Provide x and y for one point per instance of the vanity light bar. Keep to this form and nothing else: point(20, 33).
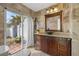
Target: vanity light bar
point(51, 10)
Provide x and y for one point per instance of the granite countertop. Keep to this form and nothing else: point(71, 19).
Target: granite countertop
point(56, 34)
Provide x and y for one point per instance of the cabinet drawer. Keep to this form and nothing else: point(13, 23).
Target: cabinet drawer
point(62, 43)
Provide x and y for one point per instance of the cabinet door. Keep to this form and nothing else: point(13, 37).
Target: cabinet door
point(41, 43)
point(44, 44)
point(64, 47)
point(53, 46)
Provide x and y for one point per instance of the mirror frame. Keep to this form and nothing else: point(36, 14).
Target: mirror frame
point(53, 15)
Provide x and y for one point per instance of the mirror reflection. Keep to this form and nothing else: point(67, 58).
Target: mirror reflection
point(53, 22)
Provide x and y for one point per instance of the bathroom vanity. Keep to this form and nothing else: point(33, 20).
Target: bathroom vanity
point(57, 44)
point(54, 41)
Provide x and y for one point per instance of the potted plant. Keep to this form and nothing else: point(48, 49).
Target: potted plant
point(18, 40)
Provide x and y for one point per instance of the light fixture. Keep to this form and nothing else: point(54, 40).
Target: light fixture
point(51, 10)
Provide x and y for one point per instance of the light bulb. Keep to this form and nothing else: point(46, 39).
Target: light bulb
point(51, 10)
point(55, 9)
point(47, 11)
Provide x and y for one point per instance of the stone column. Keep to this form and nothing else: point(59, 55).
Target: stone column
point(1, 25)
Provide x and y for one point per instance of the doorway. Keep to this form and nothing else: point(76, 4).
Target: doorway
point(18, 31)
point(13, 31)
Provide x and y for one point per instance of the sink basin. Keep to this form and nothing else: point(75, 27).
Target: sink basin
point(49, 32)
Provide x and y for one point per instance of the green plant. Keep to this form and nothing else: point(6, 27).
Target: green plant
point(18, 39)
point(9, 37)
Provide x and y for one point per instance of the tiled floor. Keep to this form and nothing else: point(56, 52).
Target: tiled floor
point(14, 48)
point(30, 52)
point(23, 52)
point(35, 52)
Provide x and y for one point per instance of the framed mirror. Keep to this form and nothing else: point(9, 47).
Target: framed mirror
point(53, 22)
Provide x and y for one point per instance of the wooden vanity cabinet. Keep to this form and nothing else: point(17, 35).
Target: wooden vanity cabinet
point(55, 46)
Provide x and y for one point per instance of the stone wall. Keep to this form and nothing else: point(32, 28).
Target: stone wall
point(75, 29)
point(19, 8)
point(15, 7)
point(1, 25)
point(66, 15)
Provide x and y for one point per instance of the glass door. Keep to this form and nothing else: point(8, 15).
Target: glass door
point(13, 33)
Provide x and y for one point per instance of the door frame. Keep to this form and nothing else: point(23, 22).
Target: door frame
point(5, 10)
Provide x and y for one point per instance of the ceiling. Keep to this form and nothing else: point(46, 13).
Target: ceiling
point(38, 6)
